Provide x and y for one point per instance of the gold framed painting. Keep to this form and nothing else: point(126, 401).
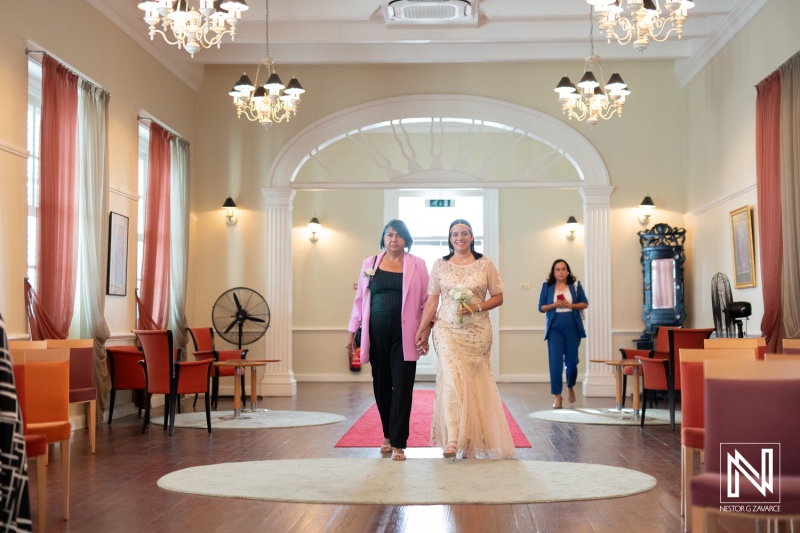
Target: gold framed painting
point(744, 265)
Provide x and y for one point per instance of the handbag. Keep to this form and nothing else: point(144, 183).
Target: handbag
point(357, 337)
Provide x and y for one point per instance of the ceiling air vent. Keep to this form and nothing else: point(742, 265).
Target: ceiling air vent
point(430, 12)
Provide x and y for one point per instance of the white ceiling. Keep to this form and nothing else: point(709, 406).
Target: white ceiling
point(356, 32)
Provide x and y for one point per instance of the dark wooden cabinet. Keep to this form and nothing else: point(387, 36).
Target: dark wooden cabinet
point(662, 261)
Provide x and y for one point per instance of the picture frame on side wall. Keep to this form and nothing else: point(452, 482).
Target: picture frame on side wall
point(117, 279)
point(744, 265)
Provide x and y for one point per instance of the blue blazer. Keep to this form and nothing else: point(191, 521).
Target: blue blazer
point(546, 297)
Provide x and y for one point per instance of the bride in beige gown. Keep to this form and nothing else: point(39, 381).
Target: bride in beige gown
point(468, 415)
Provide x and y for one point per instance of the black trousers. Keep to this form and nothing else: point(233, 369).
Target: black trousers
point(392, 377)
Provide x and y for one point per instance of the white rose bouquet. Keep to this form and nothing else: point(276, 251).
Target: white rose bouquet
point(462, 296)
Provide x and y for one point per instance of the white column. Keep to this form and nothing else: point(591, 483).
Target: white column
point(278, 379)
point(599, 378)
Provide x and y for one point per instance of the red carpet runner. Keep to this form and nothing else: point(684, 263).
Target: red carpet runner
point(367, 432)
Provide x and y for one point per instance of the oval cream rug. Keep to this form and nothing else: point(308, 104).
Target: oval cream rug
point(415, 481)
point(609, 417)
point(257, 420)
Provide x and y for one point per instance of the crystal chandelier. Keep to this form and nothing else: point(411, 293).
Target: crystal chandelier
point(645, 20)
point(588, 101)
point(268, 103)
point(192, 29)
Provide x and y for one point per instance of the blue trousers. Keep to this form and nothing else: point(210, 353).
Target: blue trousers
point(562, 350)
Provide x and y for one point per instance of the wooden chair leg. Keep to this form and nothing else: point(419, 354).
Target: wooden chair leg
point(91, 421)
point(41, 489)
point(671, 395)
point(146, 412)
point(644, 407)
point(172, 405)
point(111, 399)
point(208, 411)
point(687, 462)
point(624, 388)
point(65, 478)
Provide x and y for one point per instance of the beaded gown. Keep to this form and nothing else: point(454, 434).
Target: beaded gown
point(467, 408)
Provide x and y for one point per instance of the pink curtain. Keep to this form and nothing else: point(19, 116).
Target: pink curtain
point(57, 239)
point(153, 297)
point(768, 184)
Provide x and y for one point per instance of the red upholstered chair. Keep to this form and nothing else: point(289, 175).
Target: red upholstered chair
point(81, 378)
point(47, 405)
point(665, 374)
point(759, 343)
point(203, 339)
point(628, 371)
point(125, 371)
point(35, 445)
point(164, 374)
point(692, 410)
point(749, 402)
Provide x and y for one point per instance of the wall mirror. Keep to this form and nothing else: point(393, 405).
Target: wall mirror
point(662, 269)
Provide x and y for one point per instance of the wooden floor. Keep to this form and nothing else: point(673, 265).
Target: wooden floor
point(115, 490)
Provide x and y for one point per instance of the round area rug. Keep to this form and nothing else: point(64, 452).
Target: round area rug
point(257, 420)
point(411, 482)
point(610, 417)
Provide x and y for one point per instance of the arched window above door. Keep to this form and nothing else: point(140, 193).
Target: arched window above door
point(560, 156)
point(441, 149)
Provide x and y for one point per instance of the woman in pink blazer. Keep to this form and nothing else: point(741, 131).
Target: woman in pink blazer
point(392, 289)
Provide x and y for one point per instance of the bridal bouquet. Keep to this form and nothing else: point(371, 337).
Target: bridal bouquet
point(462, 296)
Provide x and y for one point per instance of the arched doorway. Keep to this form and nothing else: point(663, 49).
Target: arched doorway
point(591, 179)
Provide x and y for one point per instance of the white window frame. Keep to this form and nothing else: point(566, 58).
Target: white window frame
point(33, 170)
point(143, 159)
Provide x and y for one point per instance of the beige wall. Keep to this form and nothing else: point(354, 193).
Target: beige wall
point(719, 142)
point(688, 148)
point(236, 156)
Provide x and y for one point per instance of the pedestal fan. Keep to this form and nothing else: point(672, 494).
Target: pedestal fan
point(728, 314)
point(240, 316)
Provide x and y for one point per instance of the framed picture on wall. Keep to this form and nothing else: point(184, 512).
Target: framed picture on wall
point(744, 265)
point(117, 281)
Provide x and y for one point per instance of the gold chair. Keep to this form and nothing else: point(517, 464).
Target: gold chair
point(791, 346)
point(749, 403)
point(35, 445)
point(692, 410)
point(734, 342)
point(81, 379)
point(47, 402)
point(27, 345)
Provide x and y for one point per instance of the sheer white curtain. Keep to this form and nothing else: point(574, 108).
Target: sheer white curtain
point(179, 239)
point(93, 226)
point(790, 195)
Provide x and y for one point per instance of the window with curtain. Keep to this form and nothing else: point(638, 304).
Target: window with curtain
point(32, 144)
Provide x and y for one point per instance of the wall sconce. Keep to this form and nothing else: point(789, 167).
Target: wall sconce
point(572, 225)
point(646, 207)
point(314, 226)
point(230, 206)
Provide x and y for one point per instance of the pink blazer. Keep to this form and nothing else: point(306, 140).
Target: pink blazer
point(415, 293)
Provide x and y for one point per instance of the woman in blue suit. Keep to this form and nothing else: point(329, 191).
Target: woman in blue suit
point(563, 299)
